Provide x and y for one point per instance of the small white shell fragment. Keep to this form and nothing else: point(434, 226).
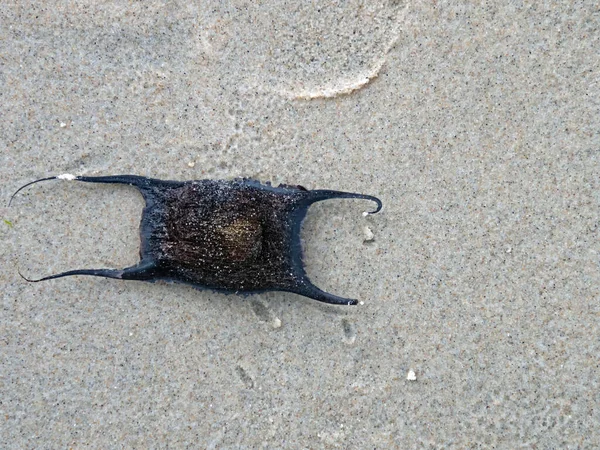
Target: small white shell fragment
point(191, 164)
point(276, 322)
point(66, 176)
point(369, 236)
point(63, 125)
point(365, 214)
point(361, 303)
point(412, 376)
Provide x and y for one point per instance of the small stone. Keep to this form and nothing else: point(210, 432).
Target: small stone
point(412, 376)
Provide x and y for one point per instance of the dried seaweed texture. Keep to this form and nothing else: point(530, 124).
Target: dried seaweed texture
point(232, 236)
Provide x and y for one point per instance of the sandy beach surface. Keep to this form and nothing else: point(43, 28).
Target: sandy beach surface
point(476, 123)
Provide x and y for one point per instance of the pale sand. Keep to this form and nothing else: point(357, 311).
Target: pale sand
point(476, 125)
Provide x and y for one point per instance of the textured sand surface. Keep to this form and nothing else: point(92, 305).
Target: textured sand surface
point(476, 123)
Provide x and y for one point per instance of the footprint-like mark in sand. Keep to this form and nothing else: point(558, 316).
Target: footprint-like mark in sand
point(349, 331)
point(265, 314)
point(246, 379)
